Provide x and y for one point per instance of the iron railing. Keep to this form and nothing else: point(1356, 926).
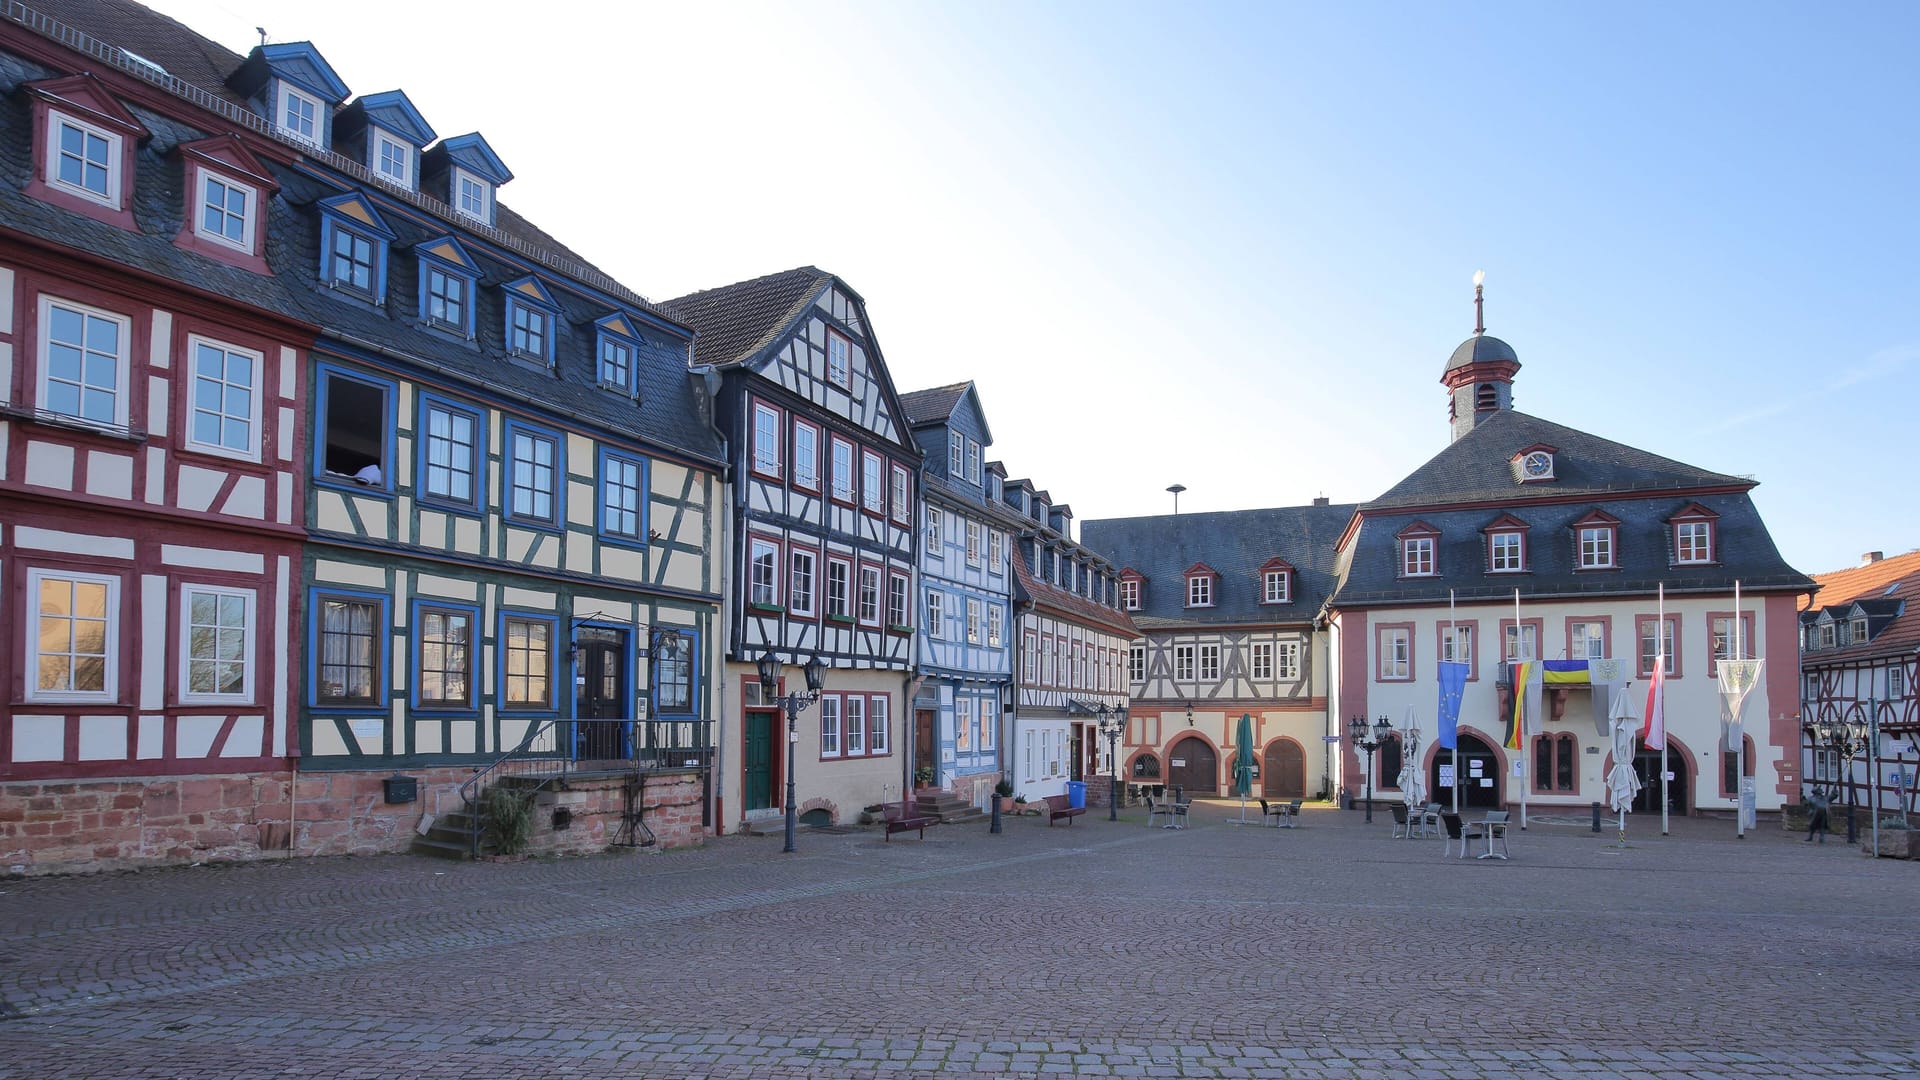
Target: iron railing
point(560, 749)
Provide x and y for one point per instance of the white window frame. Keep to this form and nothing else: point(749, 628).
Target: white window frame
point(1827, 636)
point(112, 197)
point(1262, 661)
point(121, 390)
point(963, 724)
point(839, 359)
point(186, 695)
point(1183, 663)
point(461, 180)
point(1137, 662)
point(873, 483)
point(378, 157)
point(1417, 556)
point(1520, 642)
point(854, 708)
point(989, 724)
point(996, 625)
point(110, 666)
point(936, 547)
point(766, 439)
point(1396, 654)
point(1276, 587)
point(867, 597)
point(1200, 590)
point(1210, 663)
point(899, 588)
point(829, 725)
point(1701, 544)
point(800, 597)
point(1130, 594)
point(1582, 636)
point(973, 543)
point(192, 411)
point(1287, 662)
point(1857, 630)
point(615, 360)
point(1456, 644)
point(974, 618)
point(879, 726)
point(290, 94)
point(844, 601)
point(847, 492)
point(763, 589)
point(1596, 547)
point(249, 203)
point(936, 615)
point(956, 454)
point(899, 503)
point(806, 464)
point(996, 551)
point(973, 462)
point(1506, 552)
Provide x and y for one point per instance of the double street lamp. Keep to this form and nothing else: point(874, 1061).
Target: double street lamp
point(1357, 728)
point(1846, 738)
point(793, 705)
point(1113, 720)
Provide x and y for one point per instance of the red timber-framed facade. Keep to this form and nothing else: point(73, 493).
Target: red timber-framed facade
point(1859, 658)
point(150, 421)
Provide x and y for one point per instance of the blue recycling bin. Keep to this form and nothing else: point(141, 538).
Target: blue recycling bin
point(1077, 794)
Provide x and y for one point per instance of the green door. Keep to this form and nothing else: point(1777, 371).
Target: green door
point(758, 792)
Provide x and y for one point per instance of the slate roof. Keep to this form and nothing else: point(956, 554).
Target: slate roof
point(171, 44)
point(1058, 601)
point(1895, 579)
point(1234, 543)
point(737, 322)
point(1480, 349)
point(935, 486)
point(1476, 467)
point(932, 406)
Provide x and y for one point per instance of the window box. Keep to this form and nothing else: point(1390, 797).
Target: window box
point(843, 620)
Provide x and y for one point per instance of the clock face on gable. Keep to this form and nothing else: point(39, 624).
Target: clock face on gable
point(1538, 465)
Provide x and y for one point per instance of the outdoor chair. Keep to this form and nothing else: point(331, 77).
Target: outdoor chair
point(1272, 812)
point(1430, 819)
point(1292, 820)
point(1459, 832)
point(1159, 809)
point(1402, 827)
point(1179, 807)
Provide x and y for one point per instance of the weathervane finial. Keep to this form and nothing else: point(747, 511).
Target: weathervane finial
point(1479, 313)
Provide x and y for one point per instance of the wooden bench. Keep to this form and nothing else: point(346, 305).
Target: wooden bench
point(903, 815)
point(1057, 808)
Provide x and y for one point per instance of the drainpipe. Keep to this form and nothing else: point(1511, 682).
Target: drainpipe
point(710, 382)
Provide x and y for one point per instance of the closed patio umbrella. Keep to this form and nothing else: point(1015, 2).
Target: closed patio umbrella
point(1413, 783)
point(1622, 782)
point(1243, 762)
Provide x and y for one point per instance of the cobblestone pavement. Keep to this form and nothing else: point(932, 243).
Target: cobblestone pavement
point(1097, 949)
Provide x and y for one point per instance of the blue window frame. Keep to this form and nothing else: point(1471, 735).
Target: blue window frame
point(347, 660)
point(623, 497)
point(448, 278)
point(353, 248)
point(536, 475)
point(355, 421)
point(445, 647)
point(676, 673)
point(527, 662)
point(616, 350)
point(452, 452)
point(532, 320)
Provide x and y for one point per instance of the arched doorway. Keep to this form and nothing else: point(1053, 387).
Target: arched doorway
point(1283, 770)
point(1479, 775)
point(1192, 765)
point(1646, 763)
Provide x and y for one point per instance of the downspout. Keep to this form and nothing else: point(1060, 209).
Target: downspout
point(710, 380)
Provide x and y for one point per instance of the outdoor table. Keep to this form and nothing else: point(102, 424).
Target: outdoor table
point(1491, 827)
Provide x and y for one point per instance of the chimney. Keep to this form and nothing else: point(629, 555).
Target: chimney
point(1322, 500)
point(1872, 557)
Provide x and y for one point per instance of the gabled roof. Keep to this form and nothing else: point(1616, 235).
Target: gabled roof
point(932, 406)
point(1059, 601)
point(1874, 585)
point(392, 111)
point(472, 153)
point(1474, 468)
point(737, 322)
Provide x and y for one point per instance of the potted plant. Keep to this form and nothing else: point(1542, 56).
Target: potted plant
point(923, 777)
point(1004, 792)
point(1020, 802)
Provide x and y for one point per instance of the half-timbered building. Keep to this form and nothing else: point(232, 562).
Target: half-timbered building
point(964, 645)
point(1228, 604)
point(1859, 657)
point(820, 560)
point(1072, 642)
point(1525, 539)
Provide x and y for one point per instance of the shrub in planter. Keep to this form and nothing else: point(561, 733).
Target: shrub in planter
point(509, 821)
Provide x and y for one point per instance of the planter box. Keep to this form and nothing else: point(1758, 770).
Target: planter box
point(1894, 843)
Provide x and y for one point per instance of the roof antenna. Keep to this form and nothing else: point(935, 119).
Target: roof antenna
point(262, 31)
point(1176, 489)
point(1479, 315)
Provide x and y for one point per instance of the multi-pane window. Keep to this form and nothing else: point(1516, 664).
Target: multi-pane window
point(806, 455)
point(299, 115)
point(855, 707)
point(225, 413)
point(1209, 662)
point(973, 461)
point(1287, 661)
point(1276, 587)
point(963, 724)
point(989, 723)
point(1723, 632)
point(1137, 662)
point(395, 160)
point(527, 331)
point(1662, 643)
point(529, 662)
point(973, 621)
point(85, 371)
point(1693, 542)
point(74, 634)
point(996, 551)
point(996, 617)
point(1596, 547)
point(622, 495)
point(450, 454)
point(937, 618)
point(673, 672)
point(1857, 632)
point(870, 595)
point(446, 644)
point(472, 200)
point(1263, 660)
point(1030, 662)
point(1554, 758)
point(85, 160)
point(842, 470)
point(973, 543)
point(616, 362)
point(1183, 662)
point(1130, 594)
point(766, 439)
point(349, 651)
point(217, 648)
point(878, 710)
point(896, 600)
point(226, 212)
point(763, 572)
point(839, 353)
point(1417, 556)
point(1826, 635)
point(1456, 644)
point(1200, 590)
point(839, 582)
point(533, 476)
point(956, 454)
point(873, 489)
point(900, 502)
point(800, 582)
point(446, 299)
point(1396, 653)
point(934, 542)
point(830, 725)
point(350, 264)
point(1522, 642)
point(1506, 552)
point(1587, 641)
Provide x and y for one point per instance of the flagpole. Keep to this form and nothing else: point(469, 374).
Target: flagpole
point(1660, 654)
point(1738, 732)
point(1519, 643)
point(1454, 629)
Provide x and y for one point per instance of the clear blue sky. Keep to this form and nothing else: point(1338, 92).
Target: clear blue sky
point(1230, 245)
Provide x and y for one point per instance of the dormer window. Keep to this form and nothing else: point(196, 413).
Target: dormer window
point(472, 197)
point(531, 320)
point(301, 116)
point(226, 212)
point(1596, 542)
point(1826, 635)
point(1857, 631)
point(973, 461)
point(956, 454)
point(1130, 593)
point(447, 281)
point(1506, 545)
point(353, 248)
point(392, 159)
point(1276, 582)
point(85, 160)
point(1200, 585)
point(1693, 539)
point(83, 156)
point(225, 189)
point(616, 362)
point(1419, 545)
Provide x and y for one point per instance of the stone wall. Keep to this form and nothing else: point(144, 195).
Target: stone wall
point(78, 826)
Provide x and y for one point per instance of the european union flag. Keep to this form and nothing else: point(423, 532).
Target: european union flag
point(1453, 683)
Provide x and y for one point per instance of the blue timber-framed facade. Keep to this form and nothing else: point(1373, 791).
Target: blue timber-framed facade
point(964, 643)
point(820, 542)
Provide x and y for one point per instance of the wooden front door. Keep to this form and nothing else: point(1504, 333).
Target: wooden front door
point(1283, 773)
point(1193, 767)
point(601, 695)
point(756, 792)
point(1479, 775)
point(924, 723)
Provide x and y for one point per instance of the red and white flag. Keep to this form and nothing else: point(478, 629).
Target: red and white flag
point(1654, 732)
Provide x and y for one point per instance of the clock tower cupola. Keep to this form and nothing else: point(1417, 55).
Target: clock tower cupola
point(1479, 374)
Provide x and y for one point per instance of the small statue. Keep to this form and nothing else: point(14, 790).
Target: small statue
point(1817, 806)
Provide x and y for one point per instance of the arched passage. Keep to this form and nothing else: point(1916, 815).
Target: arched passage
point(1478, 774)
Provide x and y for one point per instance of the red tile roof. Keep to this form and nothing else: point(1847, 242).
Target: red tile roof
point(1896, 578)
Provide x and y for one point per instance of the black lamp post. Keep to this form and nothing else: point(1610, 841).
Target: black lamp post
point(1357, 729)
point(1113, 720)
point(793, 705)
point(1847, 738)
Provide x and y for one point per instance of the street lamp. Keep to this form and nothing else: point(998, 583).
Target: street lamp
point(1113, 720)
point(793, 705)
point(1357, 728)
point(1846, 738)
